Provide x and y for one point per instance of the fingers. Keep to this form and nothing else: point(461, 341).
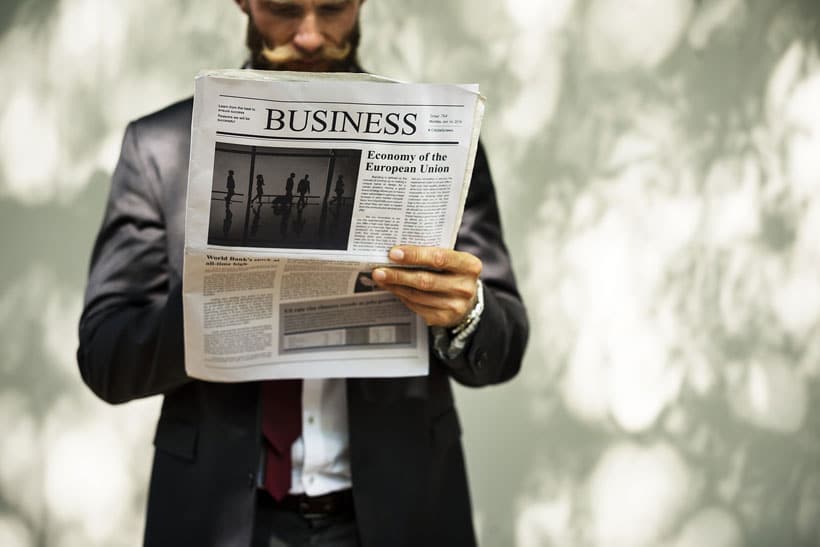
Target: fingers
point(437, 259)
point(442, 297)
point(452, 307)
point(432, 315)
point(424, 281)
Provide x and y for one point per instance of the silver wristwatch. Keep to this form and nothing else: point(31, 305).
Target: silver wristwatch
point(450, 342)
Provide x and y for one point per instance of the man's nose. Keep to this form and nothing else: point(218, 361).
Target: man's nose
point(308, 36)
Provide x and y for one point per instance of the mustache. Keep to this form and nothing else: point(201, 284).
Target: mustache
point(337, 57)
point(288, 53)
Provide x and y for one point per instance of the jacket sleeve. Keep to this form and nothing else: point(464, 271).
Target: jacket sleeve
point(131, 342)
point(494, 353)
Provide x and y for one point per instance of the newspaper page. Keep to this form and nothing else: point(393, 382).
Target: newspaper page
point(298, 186)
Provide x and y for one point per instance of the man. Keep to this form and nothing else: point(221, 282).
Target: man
point(260, 188)
point(303, 188)
point(377, 462)
point(289, 188)
point(231, 185)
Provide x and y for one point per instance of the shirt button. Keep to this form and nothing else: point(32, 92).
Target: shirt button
point(310, 419)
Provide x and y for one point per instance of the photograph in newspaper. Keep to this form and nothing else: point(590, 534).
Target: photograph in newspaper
point(282, 198)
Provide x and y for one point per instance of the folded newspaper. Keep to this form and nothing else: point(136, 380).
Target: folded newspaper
point(298, 186)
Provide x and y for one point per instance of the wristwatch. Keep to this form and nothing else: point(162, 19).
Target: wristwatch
point(448, 343)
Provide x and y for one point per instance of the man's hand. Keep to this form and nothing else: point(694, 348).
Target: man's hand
point(442, 297)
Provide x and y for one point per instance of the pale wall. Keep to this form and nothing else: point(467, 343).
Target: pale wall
point(658, 166)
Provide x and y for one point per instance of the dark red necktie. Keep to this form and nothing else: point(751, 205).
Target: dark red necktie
point(281, 426)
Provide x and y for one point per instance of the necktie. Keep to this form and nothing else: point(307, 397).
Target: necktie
point(281, 426)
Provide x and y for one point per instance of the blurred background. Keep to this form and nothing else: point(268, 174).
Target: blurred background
point(658, 166)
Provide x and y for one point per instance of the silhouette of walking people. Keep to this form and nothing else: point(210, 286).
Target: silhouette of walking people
point(260, 185)
point(231, 185)
point(303, 188)
point(289, 188)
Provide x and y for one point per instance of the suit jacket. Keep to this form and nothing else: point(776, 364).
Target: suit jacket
point(409, 482)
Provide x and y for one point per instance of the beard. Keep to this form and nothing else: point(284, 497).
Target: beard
point(329, 58)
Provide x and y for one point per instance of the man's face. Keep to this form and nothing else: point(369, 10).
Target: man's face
point(304, 35)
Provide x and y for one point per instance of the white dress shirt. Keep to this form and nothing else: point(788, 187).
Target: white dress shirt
point(321, 456)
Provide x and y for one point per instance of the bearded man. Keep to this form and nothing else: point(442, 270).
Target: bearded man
point(376, 462)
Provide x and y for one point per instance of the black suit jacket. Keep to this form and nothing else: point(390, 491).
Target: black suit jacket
point(409, 482)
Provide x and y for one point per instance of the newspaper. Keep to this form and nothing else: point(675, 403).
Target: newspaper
point(298, 186)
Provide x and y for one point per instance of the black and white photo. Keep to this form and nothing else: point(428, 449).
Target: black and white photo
point(288, 198)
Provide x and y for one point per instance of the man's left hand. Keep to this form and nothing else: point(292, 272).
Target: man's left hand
point(442, 297)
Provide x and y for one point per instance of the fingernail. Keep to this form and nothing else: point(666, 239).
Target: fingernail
point(379, 275)
point(396, 254)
